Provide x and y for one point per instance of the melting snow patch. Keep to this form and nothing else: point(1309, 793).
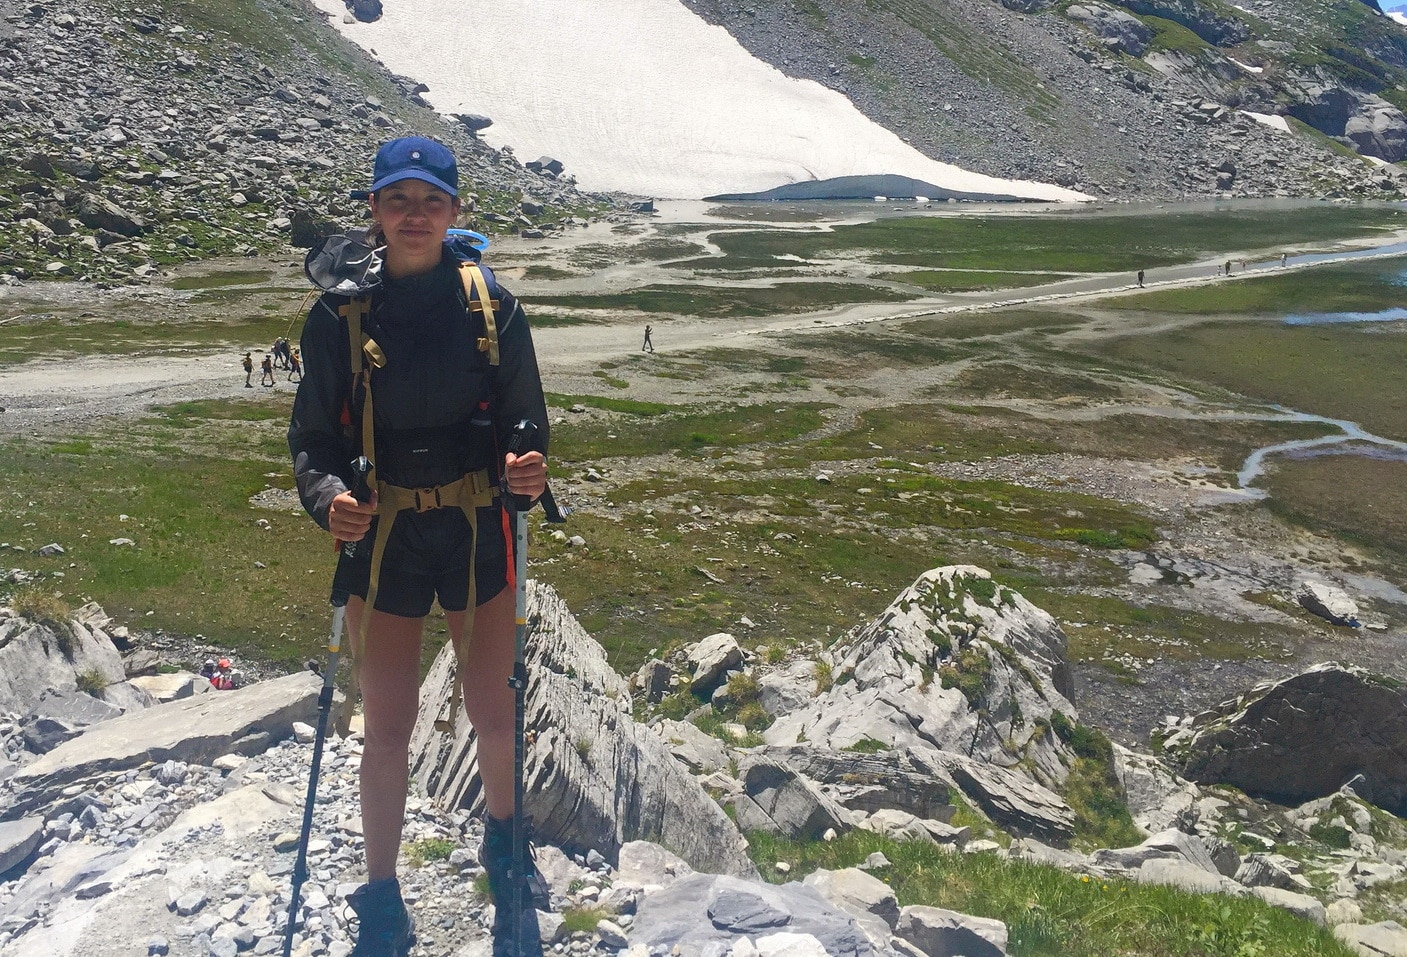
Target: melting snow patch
point(1271, 120)
point(643, 96)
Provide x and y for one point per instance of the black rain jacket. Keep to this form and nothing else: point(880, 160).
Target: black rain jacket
point(426, 398)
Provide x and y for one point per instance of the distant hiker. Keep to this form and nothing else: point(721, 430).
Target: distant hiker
point(647, 344)
point(295, 367)
point(280, 352)
point(223, 680)
point(1284, 258)
point(248, 370)
point(268, 368)
point(1140, 279)
point(448, 391)
point(207, 670)
point(1228, 267)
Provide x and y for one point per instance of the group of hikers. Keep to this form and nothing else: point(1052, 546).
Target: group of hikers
point(1284, 261)
point(280, 356)
point(221, 675)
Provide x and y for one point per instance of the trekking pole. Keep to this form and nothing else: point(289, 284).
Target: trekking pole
point(519, 682)
point(518, 507)
point(361, 466)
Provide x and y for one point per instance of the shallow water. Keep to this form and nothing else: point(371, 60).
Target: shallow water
point(1395, 314)
point(1364, 443)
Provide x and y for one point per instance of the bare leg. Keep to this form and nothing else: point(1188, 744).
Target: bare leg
point(390, 679)
point(487, 698)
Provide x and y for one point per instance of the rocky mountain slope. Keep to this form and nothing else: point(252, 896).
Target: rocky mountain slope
point(1144, 99)
point(141, 809)
point(137, 136)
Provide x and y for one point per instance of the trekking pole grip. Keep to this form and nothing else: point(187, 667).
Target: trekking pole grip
point(361, 468)
point(519, 441)
point(361, 491)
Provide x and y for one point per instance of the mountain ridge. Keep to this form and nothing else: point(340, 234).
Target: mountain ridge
point(1136, 101)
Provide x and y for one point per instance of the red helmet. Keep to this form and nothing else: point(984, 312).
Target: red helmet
point(224, 663)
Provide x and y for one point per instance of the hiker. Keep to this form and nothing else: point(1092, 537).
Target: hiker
point(1228, 267)
point(1284, 258)
point(280, 352)
point(295, 367)
point(448, 392)
point(1140, 279)
point(268, 368)
point(647, 343)
point(223, 680)
point(248, 370)
point(207, 670)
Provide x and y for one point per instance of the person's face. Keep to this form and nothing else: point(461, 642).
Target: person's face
point(414, 217)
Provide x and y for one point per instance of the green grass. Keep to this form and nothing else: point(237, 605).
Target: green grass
point(1173, 37)
point(1362, 500)
point(1108, 631)
point(1050, 913)
point(1323, 140)
point(969, 280)
point(800, 558)
point(226, 277)
point(1056, 242)
point(1344, 371)
point(1359, 287)
point(983, 324)
point(199, 545)
point(50, 337)
point(610, 403)
point(699, 430)
point(428, 850)
point(39, 603)
point(734, 302)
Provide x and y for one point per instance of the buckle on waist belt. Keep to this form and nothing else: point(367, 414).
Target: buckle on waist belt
point(471, 491)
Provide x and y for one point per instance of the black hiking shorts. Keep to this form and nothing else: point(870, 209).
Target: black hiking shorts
point(427, 557)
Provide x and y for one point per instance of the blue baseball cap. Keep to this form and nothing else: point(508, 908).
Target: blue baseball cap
point(415, 157)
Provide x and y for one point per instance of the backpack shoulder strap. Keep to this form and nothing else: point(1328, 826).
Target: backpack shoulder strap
point(476, 296)
point(362, 353)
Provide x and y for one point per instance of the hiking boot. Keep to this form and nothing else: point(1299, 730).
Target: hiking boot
point(521, 937)
point(385, 928)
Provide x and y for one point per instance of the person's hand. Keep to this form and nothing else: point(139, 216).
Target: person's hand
point(349, 520)
point(526, 473)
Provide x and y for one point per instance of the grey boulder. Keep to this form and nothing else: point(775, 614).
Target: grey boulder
point(703, 909)
point(195, 730)
point(1303, 738)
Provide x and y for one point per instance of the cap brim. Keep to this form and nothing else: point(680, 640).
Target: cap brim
point(422, 175)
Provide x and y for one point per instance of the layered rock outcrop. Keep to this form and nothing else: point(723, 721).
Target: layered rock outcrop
point(595, 779)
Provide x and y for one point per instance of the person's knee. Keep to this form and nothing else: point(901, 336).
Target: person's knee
point(388, 737)
point(493, 723)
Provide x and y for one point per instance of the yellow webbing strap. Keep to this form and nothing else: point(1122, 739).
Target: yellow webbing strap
point(476, 295)
point(363, 355)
